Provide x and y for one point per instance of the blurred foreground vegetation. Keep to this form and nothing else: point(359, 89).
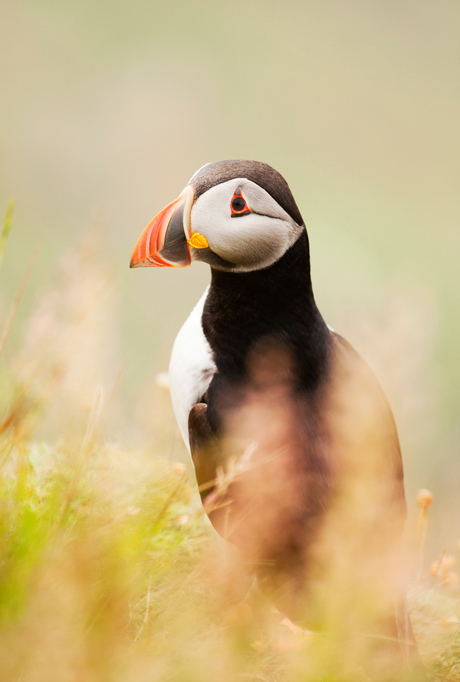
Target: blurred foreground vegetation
point(108, 568)
point(110, 572)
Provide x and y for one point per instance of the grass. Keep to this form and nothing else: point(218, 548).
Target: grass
point(109, 570)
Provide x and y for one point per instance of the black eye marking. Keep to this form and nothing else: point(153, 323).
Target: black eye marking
point(238, 205)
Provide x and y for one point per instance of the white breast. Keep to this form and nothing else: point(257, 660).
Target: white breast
point(191, 367)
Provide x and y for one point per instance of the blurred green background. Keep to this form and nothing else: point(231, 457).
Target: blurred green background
point(108, 108)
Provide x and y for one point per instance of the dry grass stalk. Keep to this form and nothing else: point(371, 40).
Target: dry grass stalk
point(17, 298)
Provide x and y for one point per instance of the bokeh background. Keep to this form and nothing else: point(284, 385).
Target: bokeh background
point(108, 108)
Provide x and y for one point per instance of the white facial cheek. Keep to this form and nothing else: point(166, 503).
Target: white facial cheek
point(208, 216)
point(250, 240)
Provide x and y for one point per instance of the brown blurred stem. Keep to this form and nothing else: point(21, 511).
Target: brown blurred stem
point(424, 499)
point(421, 535)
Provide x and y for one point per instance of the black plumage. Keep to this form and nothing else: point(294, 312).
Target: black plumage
point(270, 343)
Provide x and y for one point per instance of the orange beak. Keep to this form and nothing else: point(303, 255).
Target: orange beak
point(163, 243)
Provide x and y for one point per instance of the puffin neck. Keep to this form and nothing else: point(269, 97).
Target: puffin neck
point(287, 277)
point(277, 302)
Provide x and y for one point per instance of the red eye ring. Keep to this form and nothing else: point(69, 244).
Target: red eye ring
point(238, 205)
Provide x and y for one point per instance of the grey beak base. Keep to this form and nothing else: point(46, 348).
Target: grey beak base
point(175, 248)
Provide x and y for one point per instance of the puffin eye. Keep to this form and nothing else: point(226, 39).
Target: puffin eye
point(238, 205)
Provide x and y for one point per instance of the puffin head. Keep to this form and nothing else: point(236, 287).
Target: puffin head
point(236, 215)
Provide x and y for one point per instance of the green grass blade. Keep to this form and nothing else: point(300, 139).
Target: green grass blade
point(6, 229)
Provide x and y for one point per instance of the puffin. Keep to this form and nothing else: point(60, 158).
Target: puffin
point(293, 442)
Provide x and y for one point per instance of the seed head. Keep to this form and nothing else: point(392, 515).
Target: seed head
point(424, 498)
